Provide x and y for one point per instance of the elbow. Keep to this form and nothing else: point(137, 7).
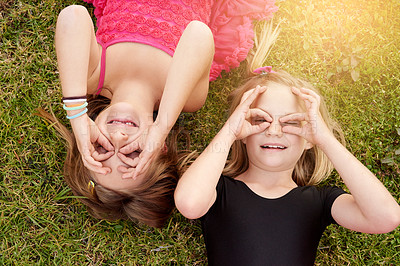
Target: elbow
point(389, 222)
point(393, 220)
point(187, 206)
point(187, 211)
point(200, 31)
point(201, 35)
point(71, 16)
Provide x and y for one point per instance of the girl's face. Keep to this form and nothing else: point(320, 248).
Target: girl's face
point(273, 150)
point(121, 124)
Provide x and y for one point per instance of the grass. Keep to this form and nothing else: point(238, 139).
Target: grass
point(349, 49)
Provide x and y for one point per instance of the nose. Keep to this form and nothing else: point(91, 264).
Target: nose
point(119, 138)
point(274, 129)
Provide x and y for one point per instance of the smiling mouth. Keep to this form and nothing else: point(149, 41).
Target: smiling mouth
point(273, 147)
point(122, 122)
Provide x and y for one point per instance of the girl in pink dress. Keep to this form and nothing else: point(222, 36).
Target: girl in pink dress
point(146, 56)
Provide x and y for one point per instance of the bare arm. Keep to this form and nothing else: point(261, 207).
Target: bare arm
point(186, 87)
point(77, 50)
point(77, 55)
point(188, 75)
point(196, 190)
point(369, 208)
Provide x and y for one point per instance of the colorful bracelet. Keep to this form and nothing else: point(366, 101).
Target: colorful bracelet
point(78, 114)
point(74, 98)
point(71, 108)
point(75, 101)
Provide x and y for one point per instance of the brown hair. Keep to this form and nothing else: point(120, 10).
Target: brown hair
point(313, 166)
point(150, 203)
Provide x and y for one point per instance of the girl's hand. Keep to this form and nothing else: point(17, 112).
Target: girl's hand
point(151, 143)
point(314, 128)
point(87, 134)
point(129, 155)
point(240, 123)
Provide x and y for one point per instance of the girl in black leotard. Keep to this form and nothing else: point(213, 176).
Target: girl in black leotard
point(263, 206)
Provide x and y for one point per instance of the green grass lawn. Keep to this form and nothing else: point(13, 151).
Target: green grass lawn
point(347, 48)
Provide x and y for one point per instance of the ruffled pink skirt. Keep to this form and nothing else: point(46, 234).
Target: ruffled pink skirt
point(160, 23)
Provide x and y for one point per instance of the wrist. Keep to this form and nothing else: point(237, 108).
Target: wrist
point(226, 136)
point(162, 126)
point(78, 118)
point(329, 141)
point(75, 106)
point(79, 123)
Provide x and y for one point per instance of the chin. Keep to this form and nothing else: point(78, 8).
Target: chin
point(275, 166)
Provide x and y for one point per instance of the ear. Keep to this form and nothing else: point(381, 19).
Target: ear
point(244, 140)
point(309, 145)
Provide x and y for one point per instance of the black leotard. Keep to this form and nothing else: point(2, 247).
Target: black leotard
point(243, 228)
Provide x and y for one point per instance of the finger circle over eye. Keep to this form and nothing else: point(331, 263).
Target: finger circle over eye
point(101, 157)
point(258, 112)
point(127, 160)
point(91, 161)
point(130, 147)
point(103, 141)
point(296, 117)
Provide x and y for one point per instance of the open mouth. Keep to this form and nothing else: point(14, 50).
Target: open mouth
point(273, 147)
point(122, 122)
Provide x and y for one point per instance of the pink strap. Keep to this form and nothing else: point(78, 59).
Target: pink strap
point(102, 70)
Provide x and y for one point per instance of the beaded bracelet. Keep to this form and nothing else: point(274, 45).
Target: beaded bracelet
point(78, 114)
point(71, 108)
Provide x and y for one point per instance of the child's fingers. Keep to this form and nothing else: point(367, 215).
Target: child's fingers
point(308, 96)
point(246, 95)
point(97, 136)
point(254, 94)
point(312, 101)
point(255, 129)
point(87, 156)
point(292, 123)
point(131, 147)
point(101, 157)
point(256, 113)
point(258, 121)
point(250, 95)
point(103, 141)
point(142, 165)
point(124, 169)
point(94, 166)
point(293, 117)
point(127, 172)
point(145, 159)
point(311, 93)
point(127, 160)
point(293, 130)
point(129, 175)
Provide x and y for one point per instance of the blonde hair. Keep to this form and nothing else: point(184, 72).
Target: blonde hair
point(150, 203)
point(313, 165)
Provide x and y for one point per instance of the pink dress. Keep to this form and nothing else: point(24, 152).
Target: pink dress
point(160, 23)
